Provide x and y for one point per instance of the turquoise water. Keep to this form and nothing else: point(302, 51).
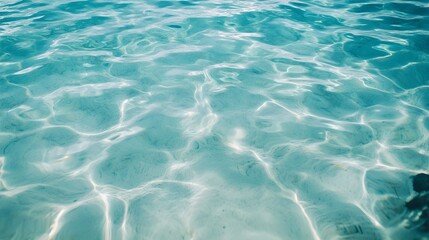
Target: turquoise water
point(214, 119)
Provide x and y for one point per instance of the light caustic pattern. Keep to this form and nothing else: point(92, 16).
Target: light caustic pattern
point(212, 119)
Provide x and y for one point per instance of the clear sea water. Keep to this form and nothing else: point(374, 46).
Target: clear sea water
point(222, 119)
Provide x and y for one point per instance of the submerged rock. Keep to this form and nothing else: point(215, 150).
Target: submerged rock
point(419, 204)
point(421, 182)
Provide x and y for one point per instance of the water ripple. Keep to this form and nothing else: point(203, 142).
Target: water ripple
point(213, 119)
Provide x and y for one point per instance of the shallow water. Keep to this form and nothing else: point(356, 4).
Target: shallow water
point(212, 119)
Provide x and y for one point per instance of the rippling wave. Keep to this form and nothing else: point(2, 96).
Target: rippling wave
point(214, 119)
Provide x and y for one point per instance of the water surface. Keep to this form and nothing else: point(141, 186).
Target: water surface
point(213, 119)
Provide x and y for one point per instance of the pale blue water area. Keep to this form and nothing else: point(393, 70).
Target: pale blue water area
point(222, 119)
